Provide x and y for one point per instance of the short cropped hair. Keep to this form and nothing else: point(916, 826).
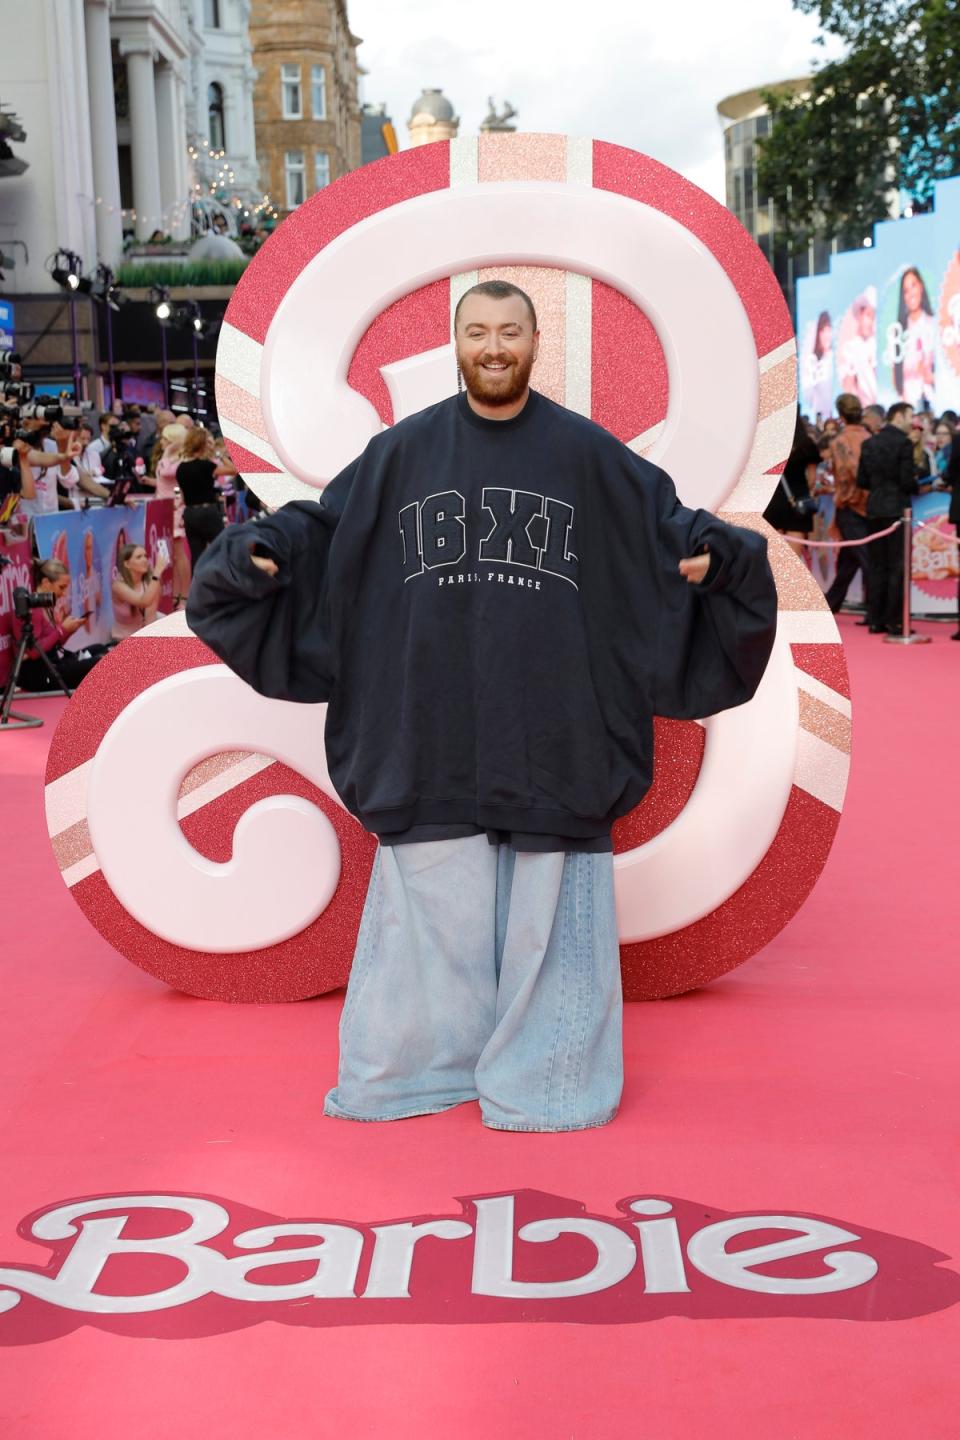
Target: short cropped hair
point(897, 409)
point(849, 408)
point(497, 290)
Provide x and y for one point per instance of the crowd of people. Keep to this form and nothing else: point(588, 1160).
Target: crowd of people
point(870, 463)
point(61, 462)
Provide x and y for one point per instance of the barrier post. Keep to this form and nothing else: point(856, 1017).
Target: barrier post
point(907, 637)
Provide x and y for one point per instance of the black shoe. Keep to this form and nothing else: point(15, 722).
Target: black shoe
point(863, 622)
point(955, 635)
point(894, 629)
point(878, 629)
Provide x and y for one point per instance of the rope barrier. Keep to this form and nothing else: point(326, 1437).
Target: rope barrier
point(934, 530)
point(839, 544)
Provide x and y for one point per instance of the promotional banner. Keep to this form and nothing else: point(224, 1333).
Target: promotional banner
point(884, 322)
point(17, 572)
point(89, 543)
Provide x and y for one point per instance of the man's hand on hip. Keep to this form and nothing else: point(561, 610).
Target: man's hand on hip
point(264, 563)
point(695, 568)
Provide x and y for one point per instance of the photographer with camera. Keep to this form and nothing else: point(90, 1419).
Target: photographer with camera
point(16, 476)
point(51, 459)
point(52, 583)
point(122, 465)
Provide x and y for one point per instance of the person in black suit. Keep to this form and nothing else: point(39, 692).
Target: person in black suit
point(887, 471)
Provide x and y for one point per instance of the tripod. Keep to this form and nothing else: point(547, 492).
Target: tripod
point(9, 719)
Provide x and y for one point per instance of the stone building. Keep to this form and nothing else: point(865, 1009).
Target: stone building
point(306, 103)
point(114, 95)
point(432, 118)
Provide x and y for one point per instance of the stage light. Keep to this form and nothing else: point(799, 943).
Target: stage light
point(160, 300)
point(105, 290)
point(66, 269)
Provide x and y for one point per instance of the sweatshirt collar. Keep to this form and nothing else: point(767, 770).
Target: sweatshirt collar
point(480, 422)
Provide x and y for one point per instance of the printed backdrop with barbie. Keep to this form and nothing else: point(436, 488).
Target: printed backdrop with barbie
point(886, 317)
point(89, 542)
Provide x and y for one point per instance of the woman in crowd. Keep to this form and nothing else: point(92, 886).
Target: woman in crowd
point(136, 590)
point(943, 440)
point(913, 374)
point(792, 508)
point(196, 475)
point(51, 577)
point(821, 368)
point(172, 439)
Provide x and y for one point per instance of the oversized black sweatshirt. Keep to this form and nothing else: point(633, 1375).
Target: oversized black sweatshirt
point(494, 612)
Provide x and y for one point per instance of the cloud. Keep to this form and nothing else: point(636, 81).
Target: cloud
point(646, 76)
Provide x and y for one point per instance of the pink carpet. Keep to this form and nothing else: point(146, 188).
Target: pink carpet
point(818, 1079)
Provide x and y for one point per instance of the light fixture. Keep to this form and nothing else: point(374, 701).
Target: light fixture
point(66, 269)
point(105, 290)
point(160, 300)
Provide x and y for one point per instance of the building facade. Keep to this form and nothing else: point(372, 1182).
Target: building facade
point(306, 107)
point(116, 98)
point(747, 120)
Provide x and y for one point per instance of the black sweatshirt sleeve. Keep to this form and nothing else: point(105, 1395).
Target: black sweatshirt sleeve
point(272, 630)
point(715, 638)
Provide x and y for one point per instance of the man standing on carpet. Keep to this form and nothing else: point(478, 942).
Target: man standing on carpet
point(496, 598)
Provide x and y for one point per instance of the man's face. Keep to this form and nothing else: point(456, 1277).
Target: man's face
point(904, 421)
point(496, 346)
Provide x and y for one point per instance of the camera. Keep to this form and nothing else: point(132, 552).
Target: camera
point(26, 600)
point(38, 411)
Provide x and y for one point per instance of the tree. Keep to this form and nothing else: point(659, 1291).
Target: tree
point(883, 118)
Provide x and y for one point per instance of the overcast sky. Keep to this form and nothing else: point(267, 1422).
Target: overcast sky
point(643, 73)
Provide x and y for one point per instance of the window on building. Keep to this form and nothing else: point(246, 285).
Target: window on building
point(292, 99)
point(323, 169)
point(293, 170)
point(211, 14)
point(318, 92)
point(216, 132)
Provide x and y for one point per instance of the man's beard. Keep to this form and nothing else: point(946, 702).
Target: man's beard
point(492, 391)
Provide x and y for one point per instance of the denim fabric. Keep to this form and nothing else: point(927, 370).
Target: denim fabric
point(484, 973)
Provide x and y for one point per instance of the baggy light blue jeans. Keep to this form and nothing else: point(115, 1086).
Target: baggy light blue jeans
point(484, 973)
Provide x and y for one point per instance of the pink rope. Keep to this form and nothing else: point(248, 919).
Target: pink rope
point(839, 544)
point(950, 539)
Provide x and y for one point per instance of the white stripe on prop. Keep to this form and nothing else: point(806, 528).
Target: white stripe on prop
point(578, 347)
point(464, 160)
point(774, 357)
point(819, 691)
point(65, 799)
point(579, 160)
point(222, 783)
point(89, 865)
point(254, 443)
point(464, 170)
point(275, 490)
point(273, 487)
point(808, 627)
point(238, 358)
point(822, 769)
point(172, 626)
point(641, 443)
point(771, 445)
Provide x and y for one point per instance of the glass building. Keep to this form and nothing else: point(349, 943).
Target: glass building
point(747, 120)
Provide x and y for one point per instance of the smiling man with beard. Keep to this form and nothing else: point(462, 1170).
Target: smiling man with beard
point(495, 598)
